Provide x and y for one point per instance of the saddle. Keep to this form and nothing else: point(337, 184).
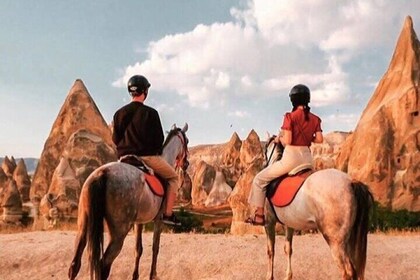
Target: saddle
point(283, 190)
point(156, 183)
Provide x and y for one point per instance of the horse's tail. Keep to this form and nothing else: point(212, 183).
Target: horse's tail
point(95, 226)
point(359, 231)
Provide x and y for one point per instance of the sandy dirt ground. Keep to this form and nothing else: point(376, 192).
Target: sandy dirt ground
point(47, 255)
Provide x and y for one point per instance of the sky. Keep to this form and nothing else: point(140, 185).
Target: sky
point(222, 66)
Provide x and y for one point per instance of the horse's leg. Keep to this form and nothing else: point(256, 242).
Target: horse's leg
point(139, 250)
point(270, 231)
point(80, 246)
point(288, 251)
point(117, 236)
point(341, 257)
point(156, 243)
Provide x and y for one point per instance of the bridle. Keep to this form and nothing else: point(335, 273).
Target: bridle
point(182, 158)
point(277, 147)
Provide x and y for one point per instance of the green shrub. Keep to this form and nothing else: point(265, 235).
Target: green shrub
point(190, 222)
point(384, 219)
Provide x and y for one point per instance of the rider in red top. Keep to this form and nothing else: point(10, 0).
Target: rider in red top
point(302, 125)
point(300, 128)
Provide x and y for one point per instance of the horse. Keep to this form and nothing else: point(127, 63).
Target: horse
point(330, 202)
point(117, 193)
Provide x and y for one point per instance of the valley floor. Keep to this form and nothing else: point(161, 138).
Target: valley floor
point(47, 255)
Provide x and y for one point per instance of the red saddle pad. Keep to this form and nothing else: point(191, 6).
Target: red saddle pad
point(288, 187)
point(154, 184)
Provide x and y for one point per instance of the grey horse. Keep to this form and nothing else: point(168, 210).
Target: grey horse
point(117, 194)
point(332, 203)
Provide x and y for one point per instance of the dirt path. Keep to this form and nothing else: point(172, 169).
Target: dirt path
point(46, 255)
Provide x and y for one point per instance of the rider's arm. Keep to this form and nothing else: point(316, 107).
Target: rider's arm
point(318, 138)
point(286, 138)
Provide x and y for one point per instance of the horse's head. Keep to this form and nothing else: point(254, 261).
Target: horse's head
point(175, 147)
point(272, 151)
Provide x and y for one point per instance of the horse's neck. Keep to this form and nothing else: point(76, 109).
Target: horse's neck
point(170, 152)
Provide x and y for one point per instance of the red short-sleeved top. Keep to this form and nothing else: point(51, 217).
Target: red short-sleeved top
point(303, 130)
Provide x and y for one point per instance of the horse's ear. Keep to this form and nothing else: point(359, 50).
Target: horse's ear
point(173, 127)
point(268, 135)
point(185, 128)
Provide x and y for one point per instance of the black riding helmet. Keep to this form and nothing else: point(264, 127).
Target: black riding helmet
point(300, 95)
point(137, 84)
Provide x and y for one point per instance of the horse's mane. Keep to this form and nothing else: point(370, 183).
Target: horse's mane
point(173, 132)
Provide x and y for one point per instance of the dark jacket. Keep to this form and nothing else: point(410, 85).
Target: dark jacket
point(137, 130)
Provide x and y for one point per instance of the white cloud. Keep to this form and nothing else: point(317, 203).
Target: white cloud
point(345, 122)
point(269, 48)
point(239, 114)
point(165, 108)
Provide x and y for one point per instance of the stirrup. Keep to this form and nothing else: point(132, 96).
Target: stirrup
point(253, 221)
point(171, 220)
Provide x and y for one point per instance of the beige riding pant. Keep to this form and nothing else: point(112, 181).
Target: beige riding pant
point(293, 156)
point(164, 170)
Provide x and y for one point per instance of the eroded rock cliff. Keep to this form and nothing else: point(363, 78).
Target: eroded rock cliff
point(384, 150)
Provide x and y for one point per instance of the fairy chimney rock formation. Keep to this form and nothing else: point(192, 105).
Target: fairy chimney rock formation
point(64, 181)
point(184, 192)
point(23, 182)
point(230, 161)
point(63, 194)
point(202, 183)
point(3, 178)
point(3, 185)
point(79, 116)
point(219, 192)
point(325, 154)
point(8, 165)
point(251, 151)
point(11, 203)
point(384, 150)
point(251, 157)
point(238, 202)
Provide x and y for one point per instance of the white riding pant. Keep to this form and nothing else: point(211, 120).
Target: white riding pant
point(293, 156)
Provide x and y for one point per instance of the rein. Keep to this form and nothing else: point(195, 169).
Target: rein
point(180, 159)
point(271, 155)
point(272, 151)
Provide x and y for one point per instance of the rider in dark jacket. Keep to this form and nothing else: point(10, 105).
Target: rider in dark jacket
point(138, 132)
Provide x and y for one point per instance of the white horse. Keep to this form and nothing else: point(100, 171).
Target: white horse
point(330, 202)
point(117, 193)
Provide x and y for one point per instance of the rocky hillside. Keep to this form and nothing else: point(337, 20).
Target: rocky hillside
point(324, 154)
